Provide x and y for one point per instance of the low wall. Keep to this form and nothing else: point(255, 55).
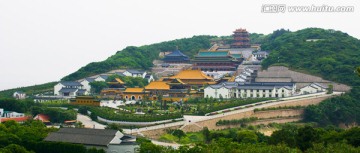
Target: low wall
point(139, 123)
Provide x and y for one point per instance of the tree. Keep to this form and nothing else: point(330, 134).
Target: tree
point(305, 137)
point(221, 99)
point(97, 86)
point(160, 99)
point(14, 148)
point(353, 136)
point(330, 89)
point(358, 71)
point(79, 124)
point(246, 136)
point(178, 133)
point(206, 134)
point(83, 110)
point(286, 135)
point(114, 126)
point(93, 116)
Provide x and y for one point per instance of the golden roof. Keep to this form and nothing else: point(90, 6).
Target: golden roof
point(159, 85)
point(177, 81)
point(116, 81)
point(191, 74)
point(134, 90)
point(119, 80)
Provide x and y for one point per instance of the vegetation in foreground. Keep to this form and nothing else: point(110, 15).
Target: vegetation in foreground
point(290, 138)
point(27, 138)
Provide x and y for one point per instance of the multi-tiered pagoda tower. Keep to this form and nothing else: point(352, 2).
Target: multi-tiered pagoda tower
point(241, 39)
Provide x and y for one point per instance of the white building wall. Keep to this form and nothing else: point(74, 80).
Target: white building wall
point(318, 88)
point(215, 93)
point(14, 114)
point(126, 73)
point(86, 85)
point(99, 79)
point(308, 90)
point(143, 75)
point(57, 88)
point(1, 112)
point(209, 92)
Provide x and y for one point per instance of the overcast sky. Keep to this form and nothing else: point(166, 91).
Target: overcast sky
point(44, 40)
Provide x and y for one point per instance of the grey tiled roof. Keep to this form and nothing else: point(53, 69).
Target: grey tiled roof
point(104, 76)
point(84, 136)
point(119, 73)
point(70, 83)
point(135, 71)
point(176, 53)
point(254, 85)
point(261, 53)
point(90, 79)
point(320, 85)
point(81, 91)
point(19, 92)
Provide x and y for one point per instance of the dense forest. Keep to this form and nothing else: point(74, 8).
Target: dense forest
point(331, 54)
point(141, 57)
point(338, 111)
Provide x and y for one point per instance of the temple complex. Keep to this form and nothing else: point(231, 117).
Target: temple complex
point(176, 57)
point(241, 39)
point(135, 94)
point(156, 88)
point(216, 61)
point(115, 90)
point(186, 84)
point(191, 78)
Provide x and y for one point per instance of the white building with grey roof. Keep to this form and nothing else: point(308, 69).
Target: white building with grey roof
point(313, 88)
point(250, 90)
point(69, 89)
point(135, 73)
point(86, 84)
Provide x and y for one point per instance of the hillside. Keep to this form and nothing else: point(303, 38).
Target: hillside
point(30, 90)
point(141, 57)
point(333, 55)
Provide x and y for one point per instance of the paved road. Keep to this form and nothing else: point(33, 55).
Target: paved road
point(89, 123)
